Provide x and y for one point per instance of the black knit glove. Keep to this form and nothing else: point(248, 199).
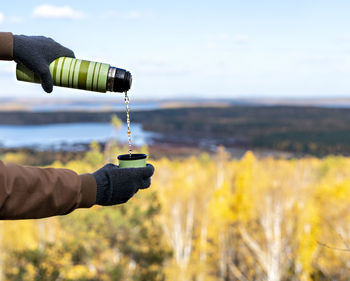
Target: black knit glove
point(36, 53)
point(117, 185)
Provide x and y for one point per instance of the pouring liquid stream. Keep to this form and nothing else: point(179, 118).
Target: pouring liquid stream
point(128, 121)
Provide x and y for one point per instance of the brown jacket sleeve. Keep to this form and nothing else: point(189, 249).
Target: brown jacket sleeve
point(30, 192)
point(6, 46)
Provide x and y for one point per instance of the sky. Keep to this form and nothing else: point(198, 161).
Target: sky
point(195, 49)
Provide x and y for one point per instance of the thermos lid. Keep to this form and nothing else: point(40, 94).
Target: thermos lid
point(122, 80)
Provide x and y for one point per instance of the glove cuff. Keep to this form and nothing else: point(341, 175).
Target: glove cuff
point(103, 190)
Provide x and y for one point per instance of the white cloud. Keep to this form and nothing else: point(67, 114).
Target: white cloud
point(57, 12)
point(1, 18)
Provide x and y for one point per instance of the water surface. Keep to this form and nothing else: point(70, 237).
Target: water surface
point(61, 135)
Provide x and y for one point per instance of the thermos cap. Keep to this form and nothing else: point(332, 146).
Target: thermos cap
point(119, 80)
point(122, 80)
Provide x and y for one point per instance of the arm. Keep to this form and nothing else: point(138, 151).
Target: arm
point(34, 52)
point(6, 46)
point(30, 192)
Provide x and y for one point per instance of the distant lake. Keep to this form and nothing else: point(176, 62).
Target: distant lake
point(57, 136)
point(95, 106)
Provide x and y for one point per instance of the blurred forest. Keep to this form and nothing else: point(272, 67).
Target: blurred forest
point(301, 130)
point(205, 218)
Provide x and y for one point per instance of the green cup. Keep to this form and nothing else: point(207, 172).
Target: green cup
point(132, 161)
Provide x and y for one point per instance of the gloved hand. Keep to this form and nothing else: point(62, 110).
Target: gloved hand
point(117, 185)
point(36, 53)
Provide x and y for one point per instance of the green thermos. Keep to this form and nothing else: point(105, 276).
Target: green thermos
point(81, 74)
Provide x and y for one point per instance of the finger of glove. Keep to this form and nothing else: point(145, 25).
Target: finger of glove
point(65, 52)
point(110, 166)
point(123, 197)
point(146, 172)
point(123, 200)
point(142, 172)
point(146, 183)
point(46, 79)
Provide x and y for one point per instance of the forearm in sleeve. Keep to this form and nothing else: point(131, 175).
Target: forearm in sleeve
point(6, 46)
point(31, 192)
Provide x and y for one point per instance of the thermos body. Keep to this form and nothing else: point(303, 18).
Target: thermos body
point(82, 74)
